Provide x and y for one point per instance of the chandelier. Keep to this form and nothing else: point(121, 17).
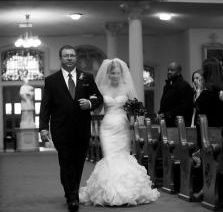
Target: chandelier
point(27, 40)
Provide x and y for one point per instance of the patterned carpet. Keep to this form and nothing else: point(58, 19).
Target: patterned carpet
point(29, 182)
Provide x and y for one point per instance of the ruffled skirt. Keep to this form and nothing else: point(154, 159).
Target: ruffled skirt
point(118, 180)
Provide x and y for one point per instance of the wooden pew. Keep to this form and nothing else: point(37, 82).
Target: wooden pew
point(170, 154)
point(155, 169)
point(88, 157)
point(90, 154)
point(94, 151)
point(97, 144)
point(191, 176)
point(132, 136)
point(211, 142)
point(140, 134)
point(98, 149)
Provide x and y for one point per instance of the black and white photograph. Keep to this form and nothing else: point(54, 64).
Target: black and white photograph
point(111, 105)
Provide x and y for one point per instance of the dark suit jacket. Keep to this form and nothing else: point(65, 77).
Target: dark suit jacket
point(68, 123)
point(208, 103)
point(177, 100)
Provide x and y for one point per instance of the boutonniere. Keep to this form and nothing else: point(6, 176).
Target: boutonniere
point(81, 76)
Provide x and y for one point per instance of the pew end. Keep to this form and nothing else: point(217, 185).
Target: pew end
point(212, 161)
point(171, 155)
point(190, 181)
point(94, 153)
point(140, 138)
point(155, 169)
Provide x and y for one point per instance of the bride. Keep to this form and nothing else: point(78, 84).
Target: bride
point(117, 179)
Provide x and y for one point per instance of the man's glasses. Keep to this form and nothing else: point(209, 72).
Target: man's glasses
point(69, 56)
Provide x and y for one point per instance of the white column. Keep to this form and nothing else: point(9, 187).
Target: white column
point(136, 53)
point(1, 119)
point(135, 12)
point(112, 29)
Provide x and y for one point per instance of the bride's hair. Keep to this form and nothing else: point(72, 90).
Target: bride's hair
point(102, 78)
point(112, 65)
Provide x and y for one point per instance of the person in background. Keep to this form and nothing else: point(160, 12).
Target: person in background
point(177, 97)
point(197, 81)
point(69, 96)
point(209, 101)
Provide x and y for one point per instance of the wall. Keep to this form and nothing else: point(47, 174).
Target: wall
point(198, 37)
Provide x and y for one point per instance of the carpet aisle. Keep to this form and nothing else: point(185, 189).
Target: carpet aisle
point(29, 182)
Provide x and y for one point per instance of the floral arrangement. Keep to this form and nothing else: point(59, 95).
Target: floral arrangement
point(81, 76)
point(147, 79)
point(134, 108)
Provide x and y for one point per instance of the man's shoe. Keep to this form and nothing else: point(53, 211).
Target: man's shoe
point(73, 205)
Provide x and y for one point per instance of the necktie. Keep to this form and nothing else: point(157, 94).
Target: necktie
point(71, 86)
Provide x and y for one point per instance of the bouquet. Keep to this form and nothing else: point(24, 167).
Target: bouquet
point(134, 108)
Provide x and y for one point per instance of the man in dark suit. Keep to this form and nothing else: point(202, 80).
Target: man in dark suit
point(177, 97)
point(68, 97)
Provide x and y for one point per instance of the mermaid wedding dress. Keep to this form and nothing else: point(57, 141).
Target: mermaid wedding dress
point(117, 179)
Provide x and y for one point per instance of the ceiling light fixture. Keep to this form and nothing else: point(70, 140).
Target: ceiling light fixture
point(165, 16)
point(75, 16)
point(27, 40)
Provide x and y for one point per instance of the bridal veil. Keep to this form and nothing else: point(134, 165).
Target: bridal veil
point(102, 80)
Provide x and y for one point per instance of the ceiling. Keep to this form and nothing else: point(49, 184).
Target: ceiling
point(49, 18)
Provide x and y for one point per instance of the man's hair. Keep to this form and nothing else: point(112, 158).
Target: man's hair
point(66, 47)
point(175, 66)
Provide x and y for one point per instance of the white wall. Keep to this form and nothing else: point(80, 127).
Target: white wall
point(198, 37)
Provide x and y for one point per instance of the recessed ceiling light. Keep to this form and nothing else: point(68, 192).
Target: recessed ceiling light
point(75, 16)
point(165, 16)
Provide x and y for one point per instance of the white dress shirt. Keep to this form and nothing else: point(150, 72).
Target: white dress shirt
point(74, 78)
point(66, 77)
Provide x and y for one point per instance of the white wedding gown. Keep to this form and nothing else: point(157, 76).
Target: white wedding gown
point(117, 179)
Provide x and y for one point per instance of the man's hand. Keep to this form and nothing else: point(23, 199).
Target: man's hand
point(45, 136)
point(84, 104)
point(159, 116)
point(221, 95)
